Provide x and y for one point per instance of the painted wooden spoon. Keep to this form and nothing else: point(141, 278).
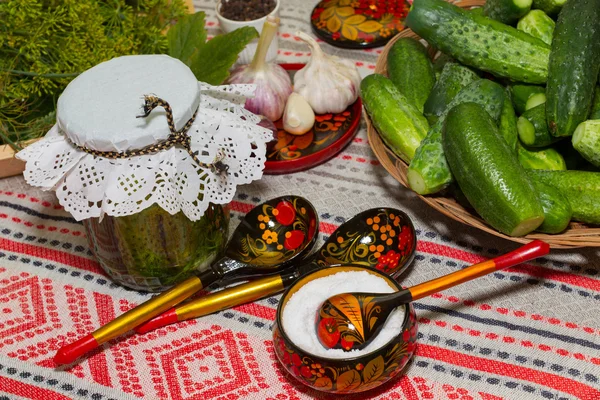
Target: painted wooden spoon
point(356, 318)
point(271, 237)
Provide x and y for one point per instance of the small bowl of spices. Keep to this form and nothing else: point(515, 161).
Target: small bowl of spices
point(338, 371)
point(234, 14)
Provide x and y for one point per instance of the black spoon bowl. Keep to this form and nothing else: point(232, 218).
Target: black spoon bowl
point(271, 237)
point(382, 238)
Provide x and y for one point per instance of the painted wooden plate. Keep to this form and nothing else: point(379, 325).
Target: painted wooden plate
point(330, 134)
point(358, 24)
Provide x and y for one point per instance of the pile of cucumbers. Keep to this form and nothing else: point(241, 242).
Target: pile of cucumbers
point(506, 117)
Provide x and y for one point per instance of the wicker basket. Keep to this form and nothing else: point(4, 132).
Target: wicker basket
point(576, 235)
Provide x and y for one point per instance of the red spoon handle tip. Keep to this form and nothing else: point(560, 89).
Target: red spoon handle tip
point(71, 352)
point(528, 252)
point(167, 318)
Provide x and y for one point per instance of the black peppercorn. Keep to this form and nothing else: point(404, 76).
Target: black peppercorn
point(246, 10)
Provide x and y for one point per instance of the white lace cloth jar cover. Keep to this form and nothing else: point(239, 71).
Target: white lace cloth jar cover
point(98, 111)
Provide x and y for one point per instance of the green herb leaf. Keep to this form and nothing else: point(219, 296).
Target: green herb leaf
point(45, 44)
point(187, 37)
point(211, 62)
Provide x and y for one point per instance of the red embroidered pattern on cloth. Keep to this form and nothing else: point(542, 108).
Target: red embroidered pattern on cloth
point(530, 332)
point(201, 359)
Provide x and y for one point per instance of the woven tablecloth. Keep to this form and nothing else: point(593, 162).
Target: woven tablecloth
point(530, 332)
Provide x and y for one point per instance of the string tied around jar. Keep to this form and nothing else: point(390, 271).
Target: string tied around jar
point(180, 137)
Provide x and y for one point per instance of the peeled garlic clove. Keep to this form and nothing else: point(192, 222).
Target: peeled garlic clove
point(298, 117)
point(328, 83)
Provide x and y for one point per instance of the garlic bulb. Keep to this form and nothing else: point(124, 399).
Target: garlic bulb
point(273, 83)
point(298, 117)
point(329, 83)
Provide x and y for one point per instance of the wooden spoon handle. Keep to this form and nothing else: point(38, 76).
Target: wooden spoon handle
point(218, 301)
point(134, 317)
point(532, 250)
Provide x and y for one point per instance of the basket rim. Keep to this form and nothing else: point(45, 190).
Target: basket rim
point(577, 235)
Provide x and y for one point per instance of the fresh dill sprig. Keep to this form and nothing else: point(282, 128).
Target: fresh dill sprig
point(44, 44)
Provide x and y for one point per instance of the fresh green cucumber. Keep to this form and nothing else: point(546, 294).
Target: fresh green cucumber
point(535, 100)
point(399, 123)
point(521, 93)
point(542, 158)
point(453, 78)
point(480, 42)
point(532, 128)
point(550, 7)
point(506, 11)
point(488, 172)
point(574, 66)
point(538, 24)
point(508, 122)
point(581, 188)
point(410, 68)
point(557, 210)
point(586, 140)
point(595, 110)
point(428, 171)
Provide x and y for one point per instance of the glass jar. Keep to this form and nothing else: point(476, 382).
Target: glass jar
point(141, 170)
point(153, 250)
